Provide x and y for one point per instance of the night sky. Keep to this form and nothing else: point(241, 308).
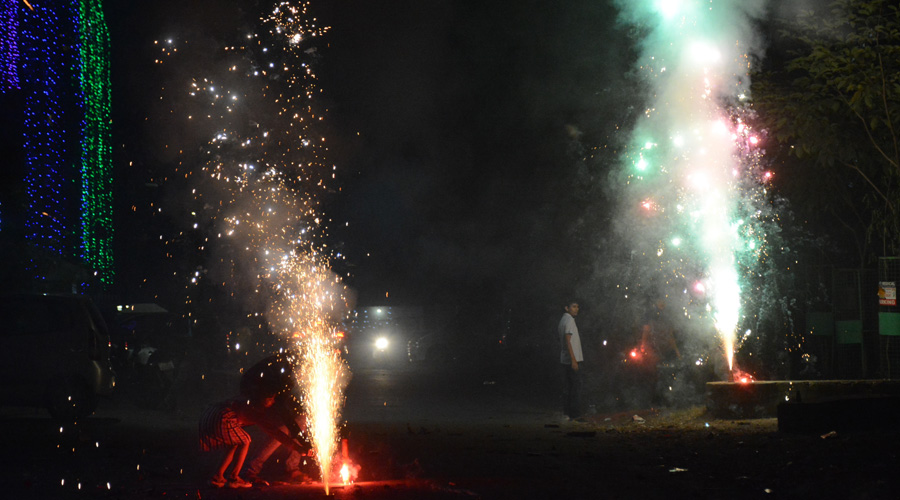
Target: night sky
point(465, 114)
point(488, 157)
point(458, 129)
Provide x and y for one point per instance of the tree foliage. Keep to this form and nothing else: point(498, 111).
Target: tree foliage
point(835, 102)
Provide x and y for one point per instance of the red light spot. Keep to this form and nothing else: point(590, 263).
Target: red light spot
point(741, 377)
point(345, 473)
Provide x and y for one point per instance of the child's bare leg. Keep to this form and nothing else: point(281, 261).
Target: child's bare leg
point(226, 460)
point(239, 461)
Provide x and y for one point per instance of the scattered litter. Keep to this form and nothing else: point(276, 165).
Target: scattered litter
point(706, 424)
point(768, 490)
point(677, 469)
point(638, 419)
point(607, 419)
point(828, 435)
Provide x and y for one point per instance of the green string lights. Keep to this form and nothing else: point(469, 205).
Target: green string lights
point(96, 151)
point(67, 139)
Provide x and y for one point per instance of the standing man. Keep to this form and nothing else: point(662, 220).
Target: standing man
point(571, 358)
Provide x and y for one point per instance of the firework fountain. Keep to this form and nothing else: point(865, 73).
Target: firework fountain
point(264, 172)
point(693, 166)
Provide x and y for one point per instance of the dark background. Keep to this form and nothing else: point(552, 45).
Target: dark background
point(476, 146)
point(469, 139)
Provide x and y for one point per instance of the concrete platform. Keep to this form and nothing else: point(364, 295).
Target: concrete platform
point(762, 399)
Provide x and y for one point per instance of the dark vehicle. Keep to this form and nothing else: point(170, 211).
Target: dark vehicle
point(54, 353)
point(377, 336)
point(146, 353)
point(378, 348)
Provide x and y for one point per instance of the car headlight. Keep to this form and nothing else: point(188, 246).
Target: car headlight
point(381, 343)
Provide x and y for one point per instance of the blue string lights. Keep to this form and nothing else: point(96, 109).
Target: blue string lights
point(9, 46)
point(66, 145)
point(48, 35)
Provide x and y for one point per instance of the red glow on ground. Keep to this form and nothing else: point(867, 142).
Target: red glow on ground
point(741, 377)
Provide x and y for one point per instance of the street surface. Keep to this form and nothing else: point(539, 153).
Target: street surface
point(456, 434)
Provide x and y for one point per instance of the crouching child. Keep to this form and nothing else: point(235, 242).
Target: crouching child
point(222, 427)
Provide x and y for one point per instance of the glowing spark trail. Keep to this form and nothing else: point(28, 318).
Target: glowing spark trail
point(692, 148)
point(264, 172)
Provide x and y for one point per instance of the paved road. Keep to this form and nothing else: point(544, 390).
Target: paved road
point(490, 433)
point(396, 419)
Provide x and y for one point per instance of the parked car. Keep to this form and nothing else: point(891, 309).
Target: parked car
point(54, 353)
point(378, 348)
point(376, 336)
point(145, 340)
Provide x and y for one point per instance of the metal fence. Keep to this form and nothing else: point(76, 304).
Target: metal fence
point(842, 323)
point(855, 322)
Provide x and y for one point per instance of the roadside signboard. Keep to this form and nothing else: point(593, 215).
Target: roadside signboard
point(887, 293)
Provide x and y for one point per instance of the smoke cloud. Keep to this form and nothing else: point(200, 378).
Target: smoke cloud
point(687, 185)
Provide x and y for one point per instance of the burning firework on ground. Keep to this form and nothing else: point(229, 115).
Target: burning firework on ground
point(693, 167)
point(265, 169)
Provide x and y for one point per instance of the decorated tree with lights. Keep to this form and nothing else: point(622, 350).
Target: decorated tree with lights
point(61, 48)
